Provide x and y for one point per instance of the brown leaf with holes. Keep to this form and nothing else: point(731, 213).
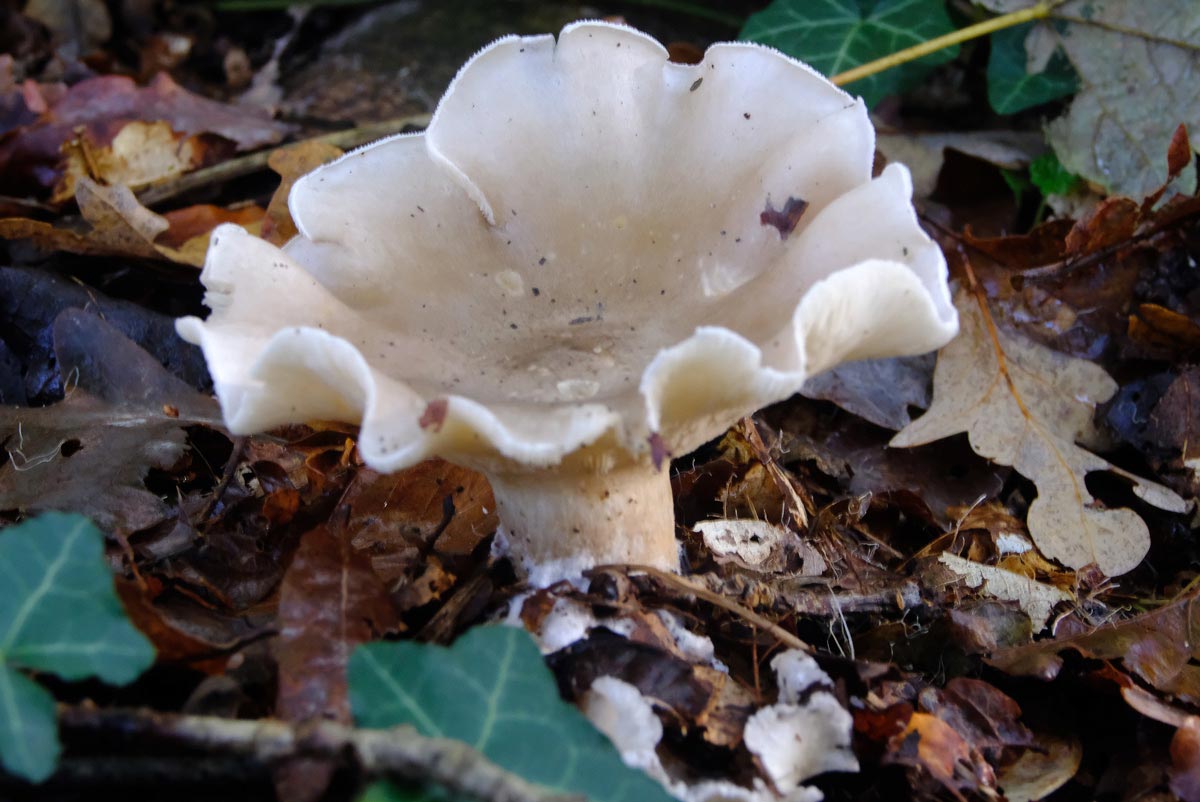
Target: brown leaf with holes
point(89, 453)
point(1024, 405)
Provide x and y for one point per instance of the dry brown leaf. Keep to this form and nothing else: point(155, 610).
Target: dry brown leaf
point(1157, 646)
point(1023, 405)
point(291, 163)
point(1035, 598)
point(121, 226)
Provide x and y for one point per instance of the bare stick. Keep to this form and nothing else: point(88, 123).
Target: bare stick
point(399, 752)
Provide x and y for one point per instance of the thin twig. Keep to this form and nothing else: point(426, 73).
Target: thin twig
point(716, 599)
point(1039, 11)
point(398, 752)
point(254, 162)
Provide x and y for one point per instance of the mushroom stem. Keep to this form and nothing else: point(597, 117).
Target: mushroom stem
point(560, 523)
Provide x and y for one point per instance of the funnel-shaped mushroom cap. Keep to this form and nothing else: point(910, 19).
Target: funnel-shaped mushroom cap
point(589, 249)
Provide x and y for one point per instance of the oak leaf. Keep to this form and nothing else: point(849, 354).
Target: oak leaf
point(1023, 405)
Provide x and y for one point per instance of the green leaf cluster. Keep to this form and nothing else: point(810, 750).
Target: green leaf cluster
point(837, 35)
point(1011, 85)
point(492, 691)
point(59, 614)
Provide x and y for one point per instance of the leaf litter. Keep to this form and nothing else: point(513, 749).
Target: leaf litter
point(920, 579)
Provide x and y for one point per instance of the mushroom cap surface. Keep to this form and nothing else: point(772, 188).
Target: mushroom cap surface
point(590, 249)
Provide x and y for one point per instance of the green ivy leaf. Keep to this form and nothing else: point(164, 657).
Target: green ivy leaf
point(1048, 175)
point(58, 614)
point(836, 35)
point(492, 690)
point(1011, 88)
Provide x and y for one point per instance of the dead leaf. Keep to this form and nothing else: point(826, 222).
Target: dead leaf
point(1113, 221)
point(330, 601)
point(1157, 646)
point(1041, 771)
point(878, 390)
point(1157, 328)
point(110, 129)
point(89, 453)
point(432, 501)
point(1185, 760)
point(1139, 78)
point(1035, 598)
point(925, 152)
point(291, 163)
point(121, 226)
point(931, 744)
point(1024, 405)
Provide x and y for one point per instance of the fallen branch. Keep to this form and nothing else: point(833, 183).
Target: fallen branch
point(399, 753)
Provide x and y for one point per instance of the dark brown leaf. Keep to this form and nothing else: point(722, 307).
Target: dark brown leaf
point(330, 601)
point(90, 452)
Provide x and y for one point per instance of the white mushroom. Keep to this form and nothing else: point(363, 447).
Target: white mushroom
point(592, 258)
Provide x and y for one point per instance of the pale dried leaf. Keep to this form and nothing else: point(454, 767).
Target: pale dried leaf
point(1139, 71)
point(1035, 598)
point(1030, 411)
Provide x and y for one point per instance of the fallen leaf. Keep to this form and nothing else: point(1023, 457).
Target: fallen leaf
point(877, 390)
point(931, 744)
point(1035, 598)
point(925, 152)
point(121, 226)
point(109, 128)
point(433, 503)
point(935, 479)
point(291, 163)
point(330, 601)
point(1157, 646)
point(1041, 771)
point(1138, 79)
point(1185, 760)
point(1024, 405)
point(31, 300)
point(90, 452)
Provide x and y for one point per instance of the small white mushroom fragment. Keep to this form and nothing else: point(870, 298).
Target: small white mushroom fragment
point(591, 260)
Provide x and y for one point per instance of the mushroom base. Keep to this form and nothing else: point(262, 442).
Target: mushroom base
point(560, 524)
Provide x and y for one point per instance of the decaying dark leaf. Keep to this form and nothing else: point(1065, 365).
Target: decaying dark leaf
point(1156, 646)
point(329, 602)
point(123, 415)
point(878, 390)
point(31, 300)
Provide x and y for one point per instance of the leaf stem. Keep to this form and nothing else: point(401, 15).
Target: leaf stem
point(1039, 11)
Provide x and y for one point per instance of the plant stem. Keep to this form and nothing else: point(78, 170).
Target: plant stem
point(398, 753)
point(1039, 11)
